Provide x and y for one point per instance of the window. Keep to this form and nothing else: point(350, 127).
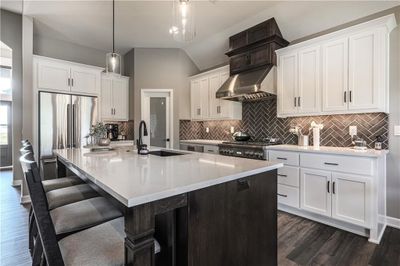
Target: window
point(5, 80)
point(4, 124)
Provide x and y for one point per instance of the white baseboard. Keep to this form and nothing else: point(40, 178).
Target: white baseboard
point(25, 199)
point(16, 183)
point(393, 222)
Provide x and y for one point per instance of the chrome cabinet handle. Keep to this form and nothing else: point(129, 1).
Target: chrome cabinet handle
point(282, 175)
point(334, 164)
point(345, 97)
point(350, 96)
point(282, 195)
point(72, 82)
point(111, 111)
point(198, 111)
point(334, 187)
point(298, 101)
point(281, 158)
point(295, 102)
point(328, 186)
point(69, 82)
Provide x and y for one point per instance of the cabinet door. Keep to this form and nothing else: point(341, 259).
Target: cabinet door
point(215, 104)
point(204, 98)
point(120, 98)
point(350, 198)
point(106, 99)
point(84, 80)
point(287, 84)
point(53, 76)
point(309, 80)
point(195, 99)
point(364, 67)
point(315, 194)
point(334, 75)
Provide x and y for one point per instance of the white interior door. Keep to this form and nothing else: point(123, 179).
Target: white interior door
point(315, 195)
point(157, 112)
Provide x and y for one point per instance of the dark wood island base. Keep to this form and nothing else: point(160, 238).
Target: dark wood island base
point(233, 224)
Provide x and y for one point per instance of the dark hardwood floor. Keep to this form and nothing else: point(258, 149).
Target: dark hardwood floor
point(13, 224)
point(300, 241)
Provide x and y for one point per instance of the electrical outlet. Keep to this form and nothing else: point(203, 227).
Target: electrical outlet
point(397, 130)
point(207, 130)
point(232, 130)
point(353, 130)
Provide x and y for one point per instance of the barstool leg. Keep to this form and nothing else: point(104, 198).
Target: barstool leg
point(37, 253)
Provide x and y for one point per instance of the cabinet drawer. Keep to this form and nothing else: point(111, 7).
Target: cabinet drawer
point(288, 196)
point(289, 175)
point(211, 149)
point(347, 164)
point(288, 158)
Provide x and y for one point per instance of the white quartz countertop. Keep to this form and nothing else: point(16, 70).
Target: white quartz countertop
point(202, 141)
point(330, 150)
point(136, 179)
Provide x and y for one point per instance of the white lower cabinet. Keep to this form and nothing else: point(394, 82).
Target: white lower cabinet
point(351, 198)
point(315, 191)
point(345, 191)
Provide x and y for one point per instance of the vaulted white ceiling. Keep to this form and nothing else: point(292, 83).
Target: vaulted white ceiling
point(146, 23)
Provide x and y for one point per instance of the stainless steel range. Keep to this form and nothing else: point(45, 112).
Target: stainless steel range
point(248, 149)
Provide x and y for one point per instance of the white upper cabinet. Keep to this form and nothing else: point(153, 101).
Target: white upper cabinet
point(308, 100)
point(366, 70)
point(114, 98)
point(287, 86)
point(84, 80)
point(195, 99)
point(53, 76)
point(58, 75)
point(335, 75)
point(204, 104)
point(339, 73)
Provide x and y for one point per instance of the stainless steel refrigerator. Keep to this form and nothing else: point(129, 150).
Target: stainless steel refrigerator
point(64, 121)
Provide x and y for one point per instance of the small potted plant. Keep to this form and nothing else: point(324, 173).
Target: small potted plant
point(99, 133)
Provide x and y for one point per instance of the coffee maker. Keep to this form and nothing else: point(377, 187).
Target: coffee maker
point(112, 131)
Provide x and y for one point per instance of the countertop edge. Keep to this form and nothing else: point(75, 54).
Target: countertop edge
point(171, 192)
point(330, 150)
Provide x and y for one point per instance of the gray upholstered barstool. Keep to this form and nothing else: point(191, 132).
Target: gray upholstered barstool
point(99, 245)
point(69, 218)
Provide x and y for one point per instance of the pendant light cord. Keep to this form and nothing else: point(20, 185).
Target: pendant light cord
point(113, 30)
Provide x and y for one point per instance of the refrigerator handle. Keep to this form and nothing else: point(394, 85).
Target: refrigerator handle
point(68, 126)
point(73, 126)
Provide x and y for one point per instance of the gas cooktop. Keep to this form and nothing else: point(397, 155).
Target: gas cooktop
point(247, 149)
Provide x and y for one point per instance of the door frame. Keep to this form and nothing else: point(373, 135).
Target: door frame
point(146, 94)
point(9, 145)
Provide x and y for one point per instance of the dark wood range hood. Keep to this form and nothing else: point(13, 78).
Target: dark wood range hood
point(251, 58)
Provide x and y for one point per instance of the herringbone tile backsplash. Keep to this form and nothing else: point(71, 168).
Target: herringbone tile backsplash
point(260, 121)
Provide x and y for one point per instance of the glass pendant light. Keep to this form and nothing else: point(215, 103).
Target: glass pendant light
point(183, 26)
point(113, 59)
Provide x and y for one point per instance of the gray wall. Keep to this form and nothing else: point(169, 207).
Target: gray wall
point(162, 68)
point(68, 51)
point(11, 35)
point(393, 161)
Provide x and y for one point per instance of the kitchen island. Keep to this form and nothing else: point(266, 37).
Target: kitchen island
point(204, 209)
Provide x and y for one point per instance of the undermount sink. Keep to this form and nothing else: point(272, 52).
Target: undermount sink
point(165, 153)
